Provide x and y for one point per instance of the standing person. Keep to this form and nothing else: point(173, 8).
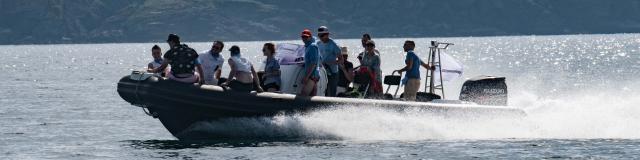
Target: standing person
point(156, 53)
point(365, 38)
point(311, 68)
point(329, 51)
point(243, 76)
point(345, 73)
point(371, 62)
point(411, 80)
point(212, 62)
point(271, 69)
point(183, 61)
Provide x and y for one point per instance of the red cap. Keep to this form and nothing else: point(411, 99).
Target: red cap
point(306, 33)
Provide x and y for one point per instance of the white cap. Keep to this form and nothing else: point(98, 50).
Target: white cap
point(323, 29)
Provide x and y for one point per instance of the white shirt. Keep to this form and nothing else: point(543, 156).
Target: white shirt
point(242, 64)
point(155, 65)
point(209, 65)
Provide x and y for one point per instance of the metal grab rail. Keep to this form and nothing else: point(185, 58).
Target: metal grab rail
point(434, 50)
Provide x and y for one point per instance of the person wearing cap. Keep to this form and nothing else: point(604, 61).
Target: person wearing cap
point(212, 62)
point(345, 73)
point(183, 61)
point(330, 52)
point(243, 76)
point(365, 38)
point(371, 61)
point(311, 68)
point(411, 80)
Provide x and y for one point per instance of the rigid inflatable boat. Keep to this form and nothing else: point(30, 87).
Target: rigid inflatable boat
point(178, 105)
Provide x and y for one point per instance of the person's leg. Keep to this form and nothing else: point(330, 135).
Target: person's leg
point(411, 89)
point(233, 84)
point(407, 92)
point(314, 89)
point(308, 88)
point(241, 87)
point(197, 77)
point(416, 87)
point(211, 82)
point(332, 84)
point(191, 79)
point(340, 90)
point(271, 87)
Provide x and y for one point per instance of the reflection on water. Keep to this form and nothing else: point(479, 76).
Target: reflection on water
point(224, 143)
point(429, 149)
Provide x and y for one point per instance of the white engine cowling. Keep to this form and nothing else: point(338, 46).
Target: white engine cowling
point(291, 79)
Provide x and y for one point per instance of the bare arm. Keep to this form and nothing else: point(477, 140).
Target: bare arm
point(218, 73)
point(340, 59)
point(425, 65)
point(309, 71)
point(161, 68)
point(256, 81)
point(231, 73)
point(348, 73)
point(149, 66)
point(199, 69)
point(408, 67)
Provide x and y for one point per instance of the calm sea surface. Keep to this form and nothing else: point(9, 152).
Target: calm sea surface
point(581, 93)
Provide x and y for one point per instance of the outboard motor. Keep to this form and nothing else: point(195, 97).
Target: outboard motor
point(485, 90)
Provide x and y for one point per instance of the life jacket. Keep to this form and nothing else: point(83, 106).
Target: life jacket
point(182, 59)
point(241, 64)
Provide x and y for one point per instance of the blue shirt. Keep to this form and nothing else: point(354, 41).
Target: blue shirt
point(414, 72)
point(311, 56)
point(271, 65)
point(329, 52)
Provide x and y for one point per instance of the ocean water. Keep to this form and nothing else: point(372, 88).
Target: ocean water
point(580, 92)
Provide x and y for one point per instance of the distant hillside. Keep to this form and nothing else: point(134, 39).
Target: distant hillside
point(107, 21)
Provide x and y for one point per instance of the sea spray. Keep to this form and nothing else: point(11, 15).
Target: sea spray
point(576, 116)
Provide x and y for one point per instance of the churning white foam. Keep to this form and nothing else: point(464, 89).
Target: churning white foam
point(574, 116)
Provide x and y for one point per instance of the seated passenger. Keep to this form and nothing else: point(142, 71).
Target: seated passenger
point(183, 61)
point(243, 76)
point(271, 69)
point(311, 68)
point(156, 53)
point(345, 72)
point(212, 62)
